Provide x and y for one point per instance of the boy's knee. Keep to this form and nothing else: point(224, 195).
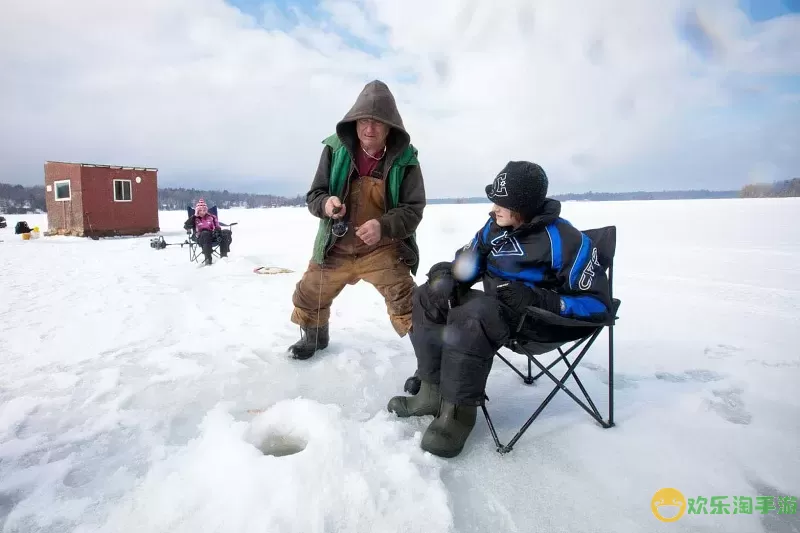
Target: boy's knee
point(479, 306)
point(480, 315)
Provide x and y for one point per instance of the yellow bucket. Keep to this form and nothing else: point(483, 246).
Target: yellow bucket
point(26, 236)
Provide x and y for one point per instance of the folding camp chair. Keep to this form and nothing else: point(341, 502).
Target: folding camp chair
point(585, 334)
point(195, 252)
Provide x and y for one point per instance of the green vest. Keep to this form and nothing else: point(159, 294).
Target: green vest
point(340, 170)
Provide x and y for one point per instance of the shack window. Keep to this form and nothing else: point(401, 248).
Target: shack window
point(122, 190)
point(62, 192)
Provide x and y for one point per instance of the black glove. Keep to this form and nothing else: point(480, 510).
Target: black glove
point(443, 268)
point(442, 284)
point(519, 296)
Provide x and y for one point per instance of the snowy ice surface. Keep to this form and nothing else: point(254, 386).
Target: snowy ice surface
point(142, 393)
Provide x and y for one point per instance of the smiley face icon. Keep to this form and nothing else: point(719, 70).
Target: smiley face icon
point(668, 504)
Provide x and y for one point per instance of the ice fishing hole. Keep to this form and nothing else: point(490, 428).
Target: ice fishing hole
point(282, 445)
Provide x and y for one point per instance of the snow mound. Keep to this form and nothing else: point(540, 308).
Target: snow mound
point(298, 466)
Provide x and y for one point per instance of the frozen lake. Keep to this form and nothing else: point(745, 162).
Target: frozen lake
point(128, 376)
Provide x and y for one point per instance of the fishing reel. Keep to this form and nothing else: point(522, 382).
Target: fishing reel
point(340, 226)
point(158, 243)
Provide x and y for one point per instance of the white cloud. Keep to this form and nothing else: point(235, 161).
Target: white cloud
point(200, 89)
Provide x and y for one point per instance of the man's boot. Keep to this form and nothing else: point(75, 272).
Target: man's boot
point(448, 432)
point(311, 340)
point(426, 402)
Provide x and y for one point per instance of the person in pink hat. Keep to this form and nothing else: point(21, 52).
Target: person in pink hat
point(207, 228)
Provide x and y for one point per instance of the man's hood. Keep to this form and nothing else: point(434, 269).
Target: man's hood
point(376, 102)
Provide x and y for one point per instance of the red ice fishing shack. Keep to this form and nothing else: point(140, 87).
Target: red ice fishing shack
point(88, 200)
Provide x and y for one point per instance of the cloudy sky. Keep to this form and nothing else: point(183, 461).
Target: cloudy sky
point(606, 96)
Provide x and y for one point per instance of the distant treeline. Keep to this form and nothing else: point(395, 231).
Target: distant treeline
point(610, 196)
point(779, 189)
point(16, 199)
point(648, 195)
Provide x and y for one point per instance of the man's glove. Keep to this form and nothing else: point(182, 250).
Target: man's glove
point(519, 296)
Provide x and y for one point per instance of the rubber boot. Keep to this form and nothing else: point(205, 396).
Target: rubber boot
point(311, 340)
point(425, 402)
point(448, 432)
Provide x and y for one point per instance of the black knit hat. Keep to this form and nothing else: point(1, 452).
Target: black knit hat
point(521, 186)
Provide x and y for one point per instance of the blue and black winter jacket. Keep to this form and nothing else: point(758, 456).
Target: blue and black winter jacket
point(548, 253)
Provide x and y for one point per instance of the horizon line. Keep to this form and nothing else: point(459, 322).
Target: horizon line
point(220, 190)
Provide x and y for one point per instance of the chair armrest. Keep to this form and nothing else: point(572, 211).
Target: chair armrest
point(553, 319)
point(537, 312)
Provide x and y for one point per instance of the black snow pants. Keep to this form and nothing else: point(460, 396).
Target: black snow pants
point(455, 347)
point(206, 241)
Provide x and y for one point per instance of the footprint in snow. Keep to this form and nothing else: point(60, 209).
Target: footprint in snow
point(696, 375)
point(621, 381)
point(721, 351)
point(728, 404)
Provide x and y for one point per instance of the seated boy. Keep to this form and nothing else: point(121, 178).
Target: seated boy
point(526, 255)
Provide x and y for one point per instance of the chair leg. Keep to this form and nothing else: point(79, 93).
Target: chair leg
point(528, 380)
point(563, 355)
point(593, 412)
point(610, 376)
point(560, 386)
point(194, 252)
point(500, 447)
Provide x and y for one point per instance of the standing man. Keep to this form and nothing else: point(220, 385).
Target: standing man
point(369, 195)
